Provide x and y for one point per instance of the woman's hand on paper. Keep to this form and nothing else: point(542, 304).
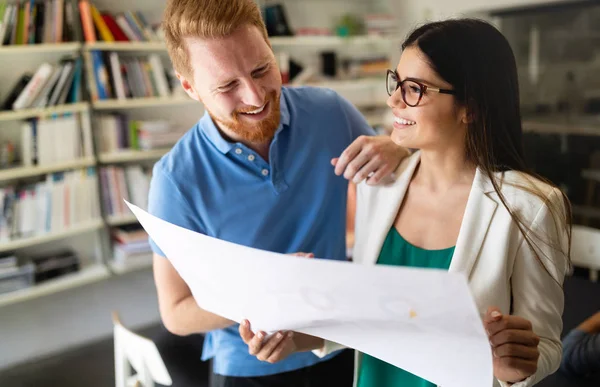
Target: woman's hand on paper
point(369, 157)
point(514, 346)
point(275, 348)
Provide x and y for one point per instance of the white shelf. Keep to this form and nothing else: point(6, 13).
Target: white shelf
point(40, 48)
point(16, 115)
point(126, 46)
point(121, 220)
point(86, 275)
point(116, 104)
point(137, 264)
point(275, 41)
point(51, 236)
point(362, 93)
point(329, 40)
point(38, 170)
point(131, 155)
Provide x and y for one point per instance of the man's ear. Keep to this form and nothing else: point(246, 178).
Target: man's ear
point(188, 87)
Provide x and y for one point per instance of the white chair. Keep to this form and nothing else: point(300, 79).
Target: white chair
point(142, 354)
point(585, 249)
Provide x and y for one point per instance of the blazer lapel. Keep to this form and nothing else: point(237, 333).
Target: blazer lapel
point(386, 206)
point(476, 221)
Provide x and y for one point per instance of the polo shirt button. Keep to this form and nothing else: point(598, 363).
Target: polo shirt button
point(251, 157)
point(238, 151)
point(265, 172)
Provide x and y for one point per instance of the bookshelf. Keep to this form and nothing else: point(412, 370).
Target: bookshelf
point(120, 220)
point(176, 107)
point(148, 102)
point(141, 263)
point(126, 46)
point(131, 156)
point(24, 114)
point(276, 41)
point(43, 48)
point(24, 172)
point(329, 41)
point(52, 236)
point(86, 275)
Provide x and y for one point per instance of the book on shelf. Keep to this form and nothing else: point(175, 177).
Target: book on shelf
point(128, 26)
point(384, 24)
point(122, 77)
point(115, 133)
point(61, 201)
point(276, 20)
point(55, 140)
point(130, 245)
point(57, 21)
point(25, 272)
point(39, 21)
point(50, 85)
point(8, 264)
point(131, 183)
point(17, 278)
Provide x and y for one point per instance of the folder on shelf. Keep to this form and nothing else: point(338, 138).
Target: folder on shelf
point(103, 29)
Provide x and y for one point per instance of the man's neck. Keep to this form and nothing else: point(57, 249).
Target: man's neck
point(261, 148)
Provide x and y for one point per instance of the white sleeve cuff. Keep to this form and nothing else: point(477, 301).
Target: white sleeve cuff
point(327, 348)
point(523, 383)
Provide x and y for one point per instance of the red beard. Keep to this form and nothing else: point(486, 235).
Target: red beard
point(259, 132)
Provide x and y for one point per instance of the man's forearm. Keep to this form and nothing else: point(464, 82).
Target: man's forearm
point(186, 318)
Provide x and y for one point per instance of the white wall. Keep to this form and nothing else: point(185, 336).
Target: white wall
point(413, 12)
point(442, 8)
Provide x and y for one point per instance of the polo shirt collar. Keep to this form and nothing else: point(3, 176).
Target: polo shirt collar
point(212, 132)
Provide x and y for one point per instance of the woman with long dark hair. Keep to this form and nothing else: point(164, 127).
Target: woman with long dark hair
point(464, 202)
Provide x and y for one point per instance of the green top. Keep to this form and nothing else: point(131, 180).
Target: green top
point(397, 251)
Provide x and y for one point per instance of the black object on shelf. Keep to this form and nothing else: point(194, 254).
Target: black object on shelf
point(276, 21)
point(16, 90)
point(295, 69)
point(55, 265)
point(329, 63)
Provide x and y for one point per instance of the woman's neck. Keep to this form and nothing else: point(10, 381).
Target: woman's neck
point(439, 171)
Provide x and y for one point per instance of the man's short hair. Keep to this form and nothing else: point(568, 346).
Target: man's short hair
point(206, 19)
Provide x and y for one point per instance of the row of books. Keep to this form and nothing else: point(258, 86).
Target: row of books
point(130, 245)
point(124, 77)
point(50, 85)
point(122, 27)
point(18, 273)
point(63, 200)
point(57, 21)
point(55, 140)
point(130, 183)
point(43, 21)
point(116, 132)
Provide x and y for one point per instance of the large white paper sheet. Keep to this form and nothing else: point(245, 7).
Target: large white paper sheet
point(422, 320)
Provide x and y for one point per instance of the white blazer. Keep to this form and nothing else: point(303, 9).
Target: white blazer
point(490, 251)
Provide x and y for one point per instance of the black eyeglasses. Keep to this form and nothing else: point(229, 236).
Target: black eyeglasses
point(412, 90)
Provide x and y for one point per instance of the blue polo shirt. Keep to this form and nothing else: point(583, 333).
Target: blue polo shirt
point(292, 203)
